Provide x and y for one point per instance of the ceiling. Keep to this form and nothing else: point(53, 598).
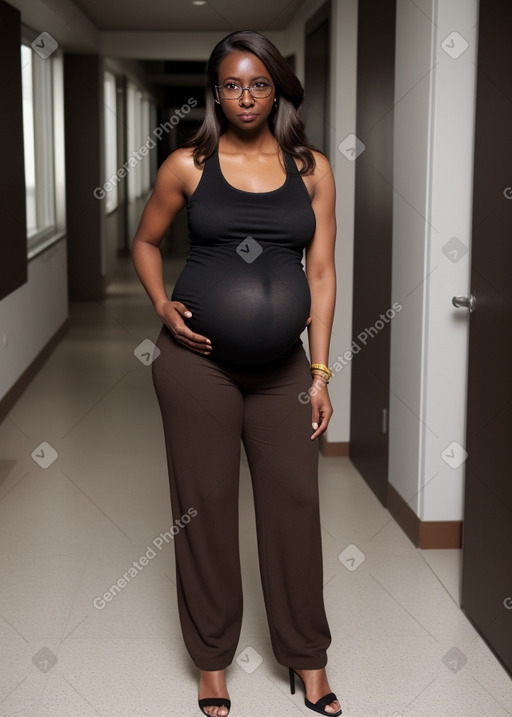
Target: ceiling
point(183, 15)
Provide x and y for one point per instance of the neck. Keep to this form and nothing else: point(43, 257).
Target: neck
point(248, 142)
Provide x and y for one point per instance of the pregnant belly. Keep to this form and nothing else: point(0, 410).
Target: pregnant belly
point(252, 313)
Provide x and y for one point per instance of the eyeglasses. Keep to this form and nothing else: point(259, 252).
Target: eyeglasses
point(232, 91)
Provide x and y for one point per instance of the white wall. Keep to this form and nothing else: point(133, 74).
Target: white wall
point(433, 159)
point(31, 314)
point(343, 122)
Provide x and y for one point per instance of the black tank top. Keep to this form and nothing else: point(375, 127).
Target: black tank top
point(244, 281)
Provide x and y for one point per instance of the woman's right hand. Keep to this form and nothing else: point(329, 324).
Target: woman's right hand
point(172, 313)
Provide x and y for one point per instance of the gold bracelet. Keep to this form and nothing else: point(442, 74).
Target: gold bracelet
point(321, 374)
point(324, 368)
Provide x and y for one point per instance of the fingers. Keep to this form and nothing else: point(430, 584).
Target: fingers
point(307, 322)
point(319, 425)
point(191, 340)
point(321, 412)
point(181, 308)
point(174, 316)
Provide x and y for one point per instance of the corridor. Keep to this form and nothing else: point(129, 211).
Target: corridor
point(84, 501)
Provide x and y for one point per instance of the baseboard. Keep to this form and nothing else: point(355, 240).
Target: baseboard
point(423, 534)
point(331, 449)
point(10, 398)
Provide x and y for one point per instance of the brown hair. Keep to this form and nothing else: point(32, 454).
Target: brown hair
point(284, 121)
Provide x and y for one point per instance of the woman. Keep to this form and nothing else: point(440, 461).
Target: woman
point(232, 365)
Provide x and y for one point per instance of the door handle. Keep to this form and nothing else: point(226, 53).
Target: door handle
point(464, 301)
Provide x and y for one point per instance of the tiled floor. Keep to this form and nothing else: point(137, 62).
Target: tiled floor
point(401, 645)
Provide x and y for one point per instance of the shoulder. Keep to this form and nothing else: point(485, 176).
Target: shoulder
point(181, 160)
point(322, 164)
point(180, 170)
point(321, 181)
point(322, 178)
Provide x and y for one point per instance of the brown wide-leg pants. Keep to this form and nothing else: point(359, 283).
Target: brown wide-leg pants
point(207, 409)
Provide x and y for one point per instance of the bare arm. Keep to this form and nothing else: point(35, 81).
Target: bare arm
point(321, 275)
point(166, 200)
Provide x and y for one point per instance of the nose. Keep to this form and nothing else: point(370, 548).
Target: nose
point(246, 99)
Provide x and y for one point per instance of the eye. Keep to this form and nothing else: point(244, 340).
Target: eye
point(231, 86)
point(260, 85)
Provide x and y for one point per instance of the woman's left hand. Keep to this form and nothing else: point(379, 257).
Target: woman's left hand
point(321, 407)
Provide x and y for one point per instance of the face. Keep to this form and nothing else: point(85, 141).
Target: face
point(245, 69)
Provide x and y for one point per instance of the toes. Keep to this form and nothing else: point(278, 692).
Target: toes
point(216, 711)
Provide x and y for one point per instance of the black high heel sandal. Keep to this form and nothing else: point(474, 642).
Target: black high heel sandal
point(318, 706)
point(214, 702)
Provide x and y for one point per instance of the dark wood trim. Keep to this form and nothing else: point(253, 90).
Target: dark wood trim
point(334, 448)
point(423, 534)
point(10, 398)
point(13, 220)
point(317, 77)
point(83, 118)
point(440, 534)
point(321, 15)
point(373, 244)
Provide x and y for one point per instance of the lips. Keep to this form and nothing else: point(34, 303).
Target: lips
point(248, 116)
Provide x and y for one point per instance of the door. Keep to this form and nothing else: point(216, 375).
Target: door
point(369, 443)
point(487, 527)
point(316, 80)
point(13, 246)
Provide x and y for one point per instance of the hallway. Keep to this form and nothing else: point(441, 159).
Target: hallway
point(76, 643)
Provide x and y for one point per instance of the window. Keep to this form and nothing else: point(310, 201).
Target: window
point(38, 88)
point(138, 109)
point(111, 163)
point(131, 135)
point(28, 138)
point(145, 164)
